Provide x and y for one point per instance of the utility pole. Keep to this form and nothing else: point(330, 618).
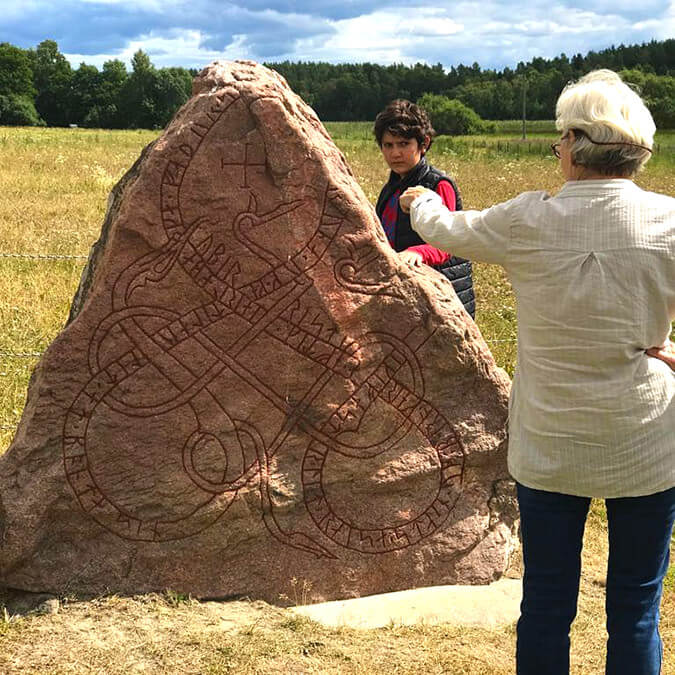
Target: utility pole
point(524, 104)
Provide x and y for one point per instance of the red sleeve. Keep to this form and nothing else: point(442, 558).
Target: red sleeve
point(447, 194)
point(431, 255)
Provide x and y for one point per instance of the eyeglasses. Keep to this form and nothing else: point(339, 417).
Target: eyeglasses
point(555, 147)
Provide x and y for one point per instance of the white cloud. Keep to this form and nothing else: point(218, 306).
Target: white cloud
point(494, 33)
point(381, 36)
point(661, 28)
point(184, 49)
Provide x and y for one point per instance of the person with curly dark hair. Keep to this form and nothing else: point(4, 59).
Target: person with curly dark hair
point(405, 134)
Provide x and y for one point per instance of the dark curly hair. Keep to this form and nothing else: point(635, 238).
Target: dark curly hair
point(403, 118)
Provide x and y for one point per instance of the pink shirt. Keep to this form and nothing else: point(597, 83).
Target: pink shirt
point(430, 254)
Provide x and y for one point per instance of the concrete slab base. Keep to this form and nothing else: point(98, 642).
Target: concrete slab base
point(488, 606)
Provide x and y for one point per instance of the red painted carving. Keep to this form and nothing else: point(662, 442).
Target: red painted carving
point(139, 371)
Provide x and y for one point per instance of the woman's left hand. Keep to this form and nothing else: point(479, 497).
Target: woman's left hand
point(665, 353)
point(409, 196)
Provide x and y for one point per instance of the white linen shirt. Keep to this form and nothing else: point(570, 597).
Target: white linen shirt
point(593, 271)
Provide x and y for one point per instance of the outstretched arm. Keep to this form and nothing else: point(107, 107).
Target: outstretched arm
point(410, 195)
point(476, 235)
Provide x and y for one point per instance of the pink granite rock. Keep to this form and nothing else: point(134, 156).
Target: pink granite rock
point(251, 389)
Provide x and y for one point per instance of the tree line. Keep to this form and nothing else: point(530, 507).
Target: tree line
point(359, 91)
point(38, 86)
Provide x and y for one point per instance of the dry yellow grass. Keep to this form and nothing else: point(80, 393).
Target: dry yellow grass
point(55, 185)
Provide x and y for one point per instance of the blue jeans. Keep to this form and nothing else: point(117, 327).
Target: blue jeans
point(639, 543)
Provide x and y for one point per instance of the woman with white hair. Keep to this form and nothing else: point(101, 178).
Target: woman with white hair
point(592, 410)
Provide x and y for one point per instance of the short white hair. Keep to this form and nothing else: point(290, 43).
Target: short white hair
point(608, 111)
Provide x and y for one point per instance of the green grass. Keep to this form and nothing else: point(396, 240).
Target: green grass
point(505, 140)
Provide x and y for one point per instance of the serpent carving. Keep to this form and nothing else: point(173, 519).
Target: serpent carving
point(141, 376)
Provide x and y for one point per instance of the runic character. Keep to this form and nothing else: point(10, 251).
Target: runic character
point(408, 401)
point(202, 316)
point(314, 325)
point(204, 275)
point(298, 314)
point(178, 330)
point(222, 102)
point(279, 329)
point(73, 446)
point(248, 311)
point(311, 476)
point(348, 409)
point(390, 390)
point(97, 388)
point(422, 411)
point(164, 338)
point(449, 451)
point(169, 199)
point(200, 129)
point(450, 473)
point(331, 524)
point(191, 322)
point(270, 282)
point(113, 373)
point(346, 366)
point(317, 245)
point(317, 505)
point(393, 363)
point(284, 275)
point(217, 254)
point(411, 532)
point(84, 405)
point(295, 337)
point(330, 225)
point(305, 259)
point(321, 352)
point(186, 150)
point(216, 288)
point(376, 381)
point(229, 271)
point(371, 540)
point(425, 524)
point(437, 429)
point(146, 529)
point(317, 449)
point(172, 217)
point(363, 397)
point(132, 361)
point(306, 344)
point(230, 297)
point(395, 539)
point(173, 173)
point(75, 463)
point(437, 512)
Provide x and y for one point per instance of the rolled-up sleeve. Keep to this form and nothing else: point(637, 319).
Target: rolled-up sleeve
point(477, 235)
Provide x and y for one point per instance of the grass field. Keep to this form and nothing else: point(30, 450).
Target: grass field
point(55, 184)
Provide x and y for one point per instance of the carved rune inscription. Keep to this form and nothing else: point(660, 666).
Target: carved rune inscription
point(169, 370)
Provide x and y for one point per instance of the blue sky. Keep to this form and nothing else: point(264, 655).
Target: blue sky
point(494, 33)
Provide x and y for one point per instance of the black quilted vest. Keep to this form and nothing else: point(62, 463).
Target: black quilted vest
point(457, 270)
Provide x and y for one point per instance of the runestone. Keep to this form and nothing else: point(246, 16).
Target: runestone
point(252, 392)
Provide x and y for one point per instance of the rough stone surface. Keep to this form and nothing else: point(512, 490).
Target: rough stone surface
point(252, 392)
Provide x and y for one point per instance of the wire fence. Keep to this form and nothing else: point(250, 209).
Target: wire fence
point(43, 256)
point(541, 148)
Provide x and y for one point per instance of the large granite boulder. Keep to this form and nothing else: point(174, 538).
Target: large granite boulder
point(252, 392)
